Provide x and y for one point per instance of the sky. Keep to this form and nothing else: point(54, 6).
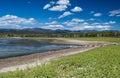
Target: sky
point(60, 14)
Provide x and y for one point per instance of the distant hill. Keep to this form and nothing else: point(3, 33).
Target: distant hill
point(45, 31)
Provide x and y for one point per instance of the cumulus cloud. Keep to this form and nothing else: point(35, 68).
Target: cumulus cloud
point(99, 27)
point(68, 23)
point(58, 8)
point(110, 22)
point(46, 6)
point(15, 21)
point(77, 9)
point(115, 13)
point(52, 2)
point(91, 19)
point(80, 24)
point(91, 27)
point(85, 23)
point(53, 27)
point(77, 20)
point(63, 2)
point(65, 14)
point(60, 5)
point(95, 23)
point(97, 14)
point(53, 22)
point(73, 22)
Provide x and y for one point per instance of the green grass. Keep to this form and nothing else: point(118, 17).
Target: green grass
point(98, 63)
point(110, 39)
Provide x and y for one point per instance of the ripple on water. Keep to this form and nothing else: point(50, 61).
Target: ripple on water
point(11, 47)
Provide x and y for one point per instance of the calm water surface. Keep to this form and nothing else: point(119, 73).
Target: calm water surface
point(10, 47)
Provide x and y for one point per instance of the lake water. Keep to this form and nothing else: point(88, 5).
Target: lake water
point(11, 47)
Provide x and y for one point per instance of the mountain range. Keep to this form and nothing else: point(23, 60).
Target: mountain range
point(45, 31)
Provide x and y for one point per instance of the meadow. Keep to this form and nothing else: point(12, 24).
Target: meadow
point(108, 39)
point(101, 62)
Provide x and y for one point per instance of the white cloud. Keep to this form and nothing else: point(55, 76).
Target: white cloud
point(77, 9)
point(73, 22)
point(58, 8)
point(110, 22)
point(95, 23)
point(101, 27)
point(63, 2)
point(65, 14)
point(53, 27)
point(46, 6)
point(14, 21)
point(53, 22)
point(85, 23)
point(51, 18)
point(52, 2)
point(104, 23)
point(60, 5)
point(97, 14)
point(114, 13)
point(80, 24)
point(92, 27)
point(91, 19)
point(77, 20)
point(69, 23)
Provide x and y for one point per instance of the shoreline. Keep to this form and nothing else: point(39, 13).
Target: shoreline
point(22, 62)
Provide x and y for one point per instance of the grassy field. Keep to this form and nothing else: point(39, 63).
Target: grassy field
point(110, 39)
point(98, 63)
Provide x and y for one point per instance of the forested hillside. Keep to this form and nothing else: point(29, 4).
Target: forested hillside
point(37, 32)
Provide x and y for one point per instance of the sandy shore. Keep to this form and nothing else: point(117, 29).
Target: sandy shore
point(22, 62)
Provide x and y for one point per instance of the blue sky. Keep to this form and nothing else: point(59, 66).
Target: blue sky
point(60, 14)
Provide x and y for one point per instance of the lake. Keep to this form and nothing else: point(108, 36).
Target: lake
point(12, 47)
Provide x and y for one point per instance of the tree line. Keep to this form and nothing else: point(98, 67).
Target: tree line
point(64, 35)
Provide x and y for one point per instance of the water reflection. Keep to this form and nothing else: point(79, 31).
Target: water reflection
point(10, 47)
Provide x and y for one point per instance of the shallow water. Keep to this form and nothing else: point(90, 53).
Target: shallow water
point(11, 47)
